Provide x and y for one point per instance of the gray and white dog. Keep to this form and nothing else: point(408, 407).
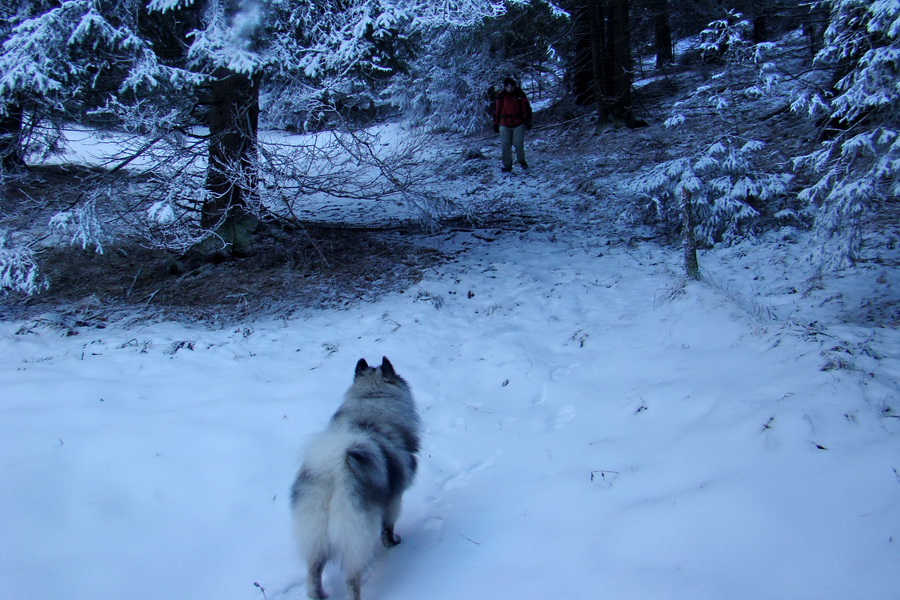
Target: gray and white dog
point(348, 491)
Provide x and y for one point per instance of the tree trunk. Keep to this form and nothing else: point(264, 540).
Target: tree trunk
point(581, 70)
point(600, 63)
point(659, 12)
point(231, 178)
point(691, 264)
point(11, 156)
point(759, 12)
point(603, 55)
point(619, 38)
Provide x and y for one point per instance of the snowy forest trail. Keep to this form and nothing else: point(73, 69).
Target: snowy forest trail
point(594, 425)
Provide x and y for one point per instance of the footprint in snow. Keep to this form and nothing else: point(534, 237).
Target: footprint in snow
point(562, 373)
point(429, 534)
point(466, 476)
point(564, 417)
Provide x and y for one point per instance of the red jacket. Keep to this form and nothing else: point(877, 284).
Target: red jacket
point(512, 109)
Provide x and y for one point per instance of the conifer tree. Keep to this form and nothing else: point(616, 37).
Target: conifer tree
point(857, 164)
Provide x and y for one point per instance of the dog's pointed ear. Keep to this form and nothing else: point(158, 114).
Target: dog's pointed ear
point(387, 369)
point(361, 367)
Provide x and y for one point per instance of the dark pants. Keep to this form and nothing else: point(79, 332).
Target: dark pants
point(512, 137)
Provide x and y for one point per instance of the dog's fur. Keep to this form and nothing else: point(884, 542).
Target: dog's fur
point(348, 490)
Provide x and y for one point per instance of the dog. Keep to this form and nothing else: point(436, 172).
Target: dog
point(347, 494)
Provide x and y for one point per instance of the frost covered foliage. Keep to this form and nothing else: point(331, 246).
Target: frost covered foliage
point(749, 73)
point(353, 54)
point(131, 57)
point(170, 200)
point(82, 224)
point(61, 60)
point(344, 104)
point(731, 190)
point(857, 166)
point(727, 191)
point(36, 75)
point(292, 174)
point(34, 52)
point(378, 165)
point(18, 269)
point(449, 88)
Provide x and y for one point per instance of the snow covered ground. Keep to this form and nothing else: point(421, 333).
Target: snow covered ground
point(596, 427)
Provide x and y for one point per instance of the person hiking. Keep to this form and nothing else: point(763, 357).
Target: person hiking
point(512, 116)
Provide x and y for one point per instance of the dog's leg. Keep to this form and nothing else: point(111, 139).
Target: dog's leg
point(354, 586)
point(314, 587)
point(388, 537)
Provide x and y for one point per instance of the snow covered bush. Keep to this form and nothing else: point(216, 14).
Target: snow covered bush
point(726, 188)
point(18, 269)
point(856, 169)
point(728, 180)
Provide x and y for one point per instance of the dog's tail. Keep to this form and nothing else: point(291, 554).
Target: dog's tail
point(337, 497)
